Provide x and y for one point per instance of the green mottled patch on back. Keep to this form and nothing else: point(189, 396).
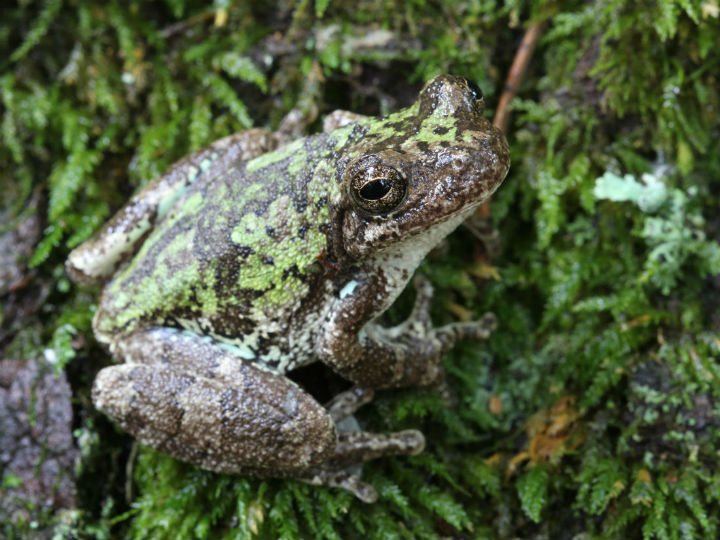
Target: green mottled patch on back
point(273, 157)
point(389, 127)
point(435, 129)
point(405, 125)
point(133, 296)
point(278, 259)
point(341, 136)
point(249, 241)
point(153, 292)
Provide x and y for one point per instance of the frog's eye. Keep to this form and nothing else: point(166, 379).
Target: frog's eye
point(474, 89)
point(378, 189)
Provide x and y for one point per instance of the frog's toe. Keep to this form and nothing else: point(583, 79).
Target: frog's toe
point(354, 447)
point(450, 334)
point(346, 403)
point(365, 492)
point(345, 480)
point(423, 297)
point(358, 446)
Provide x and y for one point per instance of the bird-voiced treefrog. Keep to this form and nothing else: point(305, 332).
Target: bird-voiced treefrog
point(251, 257)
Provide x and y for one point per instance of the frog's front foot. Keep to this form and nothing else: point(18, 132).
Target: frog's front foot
point(408, 354)
point(438, 341)
point(450, 333)
point(427, 343)
point(193, 399)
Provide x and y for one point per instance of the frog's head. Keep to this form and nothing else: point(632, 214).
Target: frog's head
point(416, 174)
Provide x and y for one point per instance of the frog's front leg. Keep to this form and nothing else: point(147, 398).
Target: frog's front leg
point(100, 256)
point(191, 398)
point(405, 355)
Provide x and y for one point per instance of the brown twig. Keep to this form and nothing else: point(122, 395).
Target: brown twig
point(516, 73)
point(512, 83)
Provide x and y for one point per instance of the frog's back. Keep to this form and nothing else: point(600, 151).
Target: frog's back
point(235, 258)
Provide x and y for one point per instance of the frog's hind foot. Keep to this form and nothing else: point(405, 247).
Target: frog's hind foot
point(358, 446)
point(346, 403)
point(196, 401)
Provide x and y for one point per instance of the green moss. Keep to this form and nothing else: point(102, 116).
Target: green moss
point(593, 409)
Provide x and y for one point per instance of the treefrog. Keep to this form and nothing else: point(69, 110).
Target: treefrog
point(257, 255)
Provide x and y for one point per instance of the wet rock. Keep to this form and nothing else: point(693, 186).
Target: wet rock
point(16, 246)
point(37, 453)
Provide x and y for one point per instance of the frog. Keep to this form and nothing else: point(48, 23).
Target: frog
point(258, 255)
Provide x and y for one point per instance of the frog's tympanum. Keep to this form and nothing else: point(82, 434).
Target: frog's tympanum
point(255, 256)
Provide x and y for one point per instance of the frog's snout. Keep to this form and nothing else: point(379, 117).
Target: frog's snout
point(447, 95)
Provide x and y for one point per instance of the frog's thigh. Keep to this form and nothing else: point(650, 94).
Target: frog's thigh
point(190, 398)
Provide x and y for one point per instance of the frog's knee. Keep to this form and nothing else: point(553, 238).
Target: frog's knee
point(142, 400)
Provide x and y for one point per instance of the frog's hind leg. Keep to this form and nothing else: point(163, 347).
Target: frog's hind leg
point(195, 400)
point(358, 446)
point(355, 447)
point(346, 403)
point(191, 398)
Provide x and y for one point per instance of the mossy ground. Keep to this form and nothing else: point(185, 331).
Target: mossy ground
point(593, 412)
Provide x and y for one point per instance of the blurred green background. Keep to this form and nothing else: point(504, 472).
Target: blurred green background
point(593, 411)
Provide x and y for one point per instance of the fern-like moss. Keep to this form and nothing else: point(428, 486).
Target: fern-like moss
point(592, 411)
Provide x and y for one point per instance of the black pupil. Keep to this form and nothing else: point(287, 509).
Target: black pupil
point(376, 189)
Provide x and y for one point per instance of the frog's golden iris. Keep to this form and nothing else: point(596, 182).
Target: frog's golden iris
point(378, 188)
